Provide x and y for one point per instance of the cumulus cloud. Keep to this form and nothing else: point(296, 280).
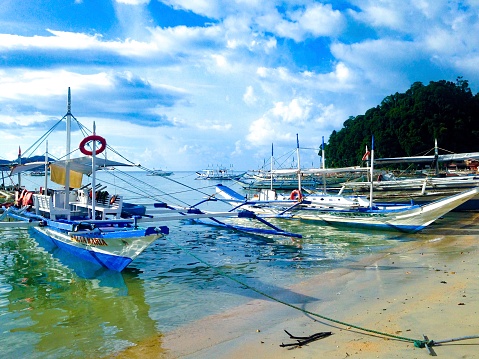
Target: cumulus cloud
point(297, 111)
point(310, 21)
point(274, 68)
point(281, 122)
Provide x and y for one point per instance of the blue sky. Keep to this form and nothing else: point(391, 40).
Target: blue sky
point(191, 84)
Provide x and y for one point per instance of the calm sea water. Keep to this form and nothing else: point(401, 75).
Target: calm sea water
point(54, 306)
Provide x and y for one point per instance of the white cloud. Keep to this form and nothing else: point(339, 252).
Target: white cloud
point(311, 21)
point(21, 85)
point(297, 111)
point(238, 149)
point(209, 8)
point(249, 97)
point(301, 115)
point(320, 20)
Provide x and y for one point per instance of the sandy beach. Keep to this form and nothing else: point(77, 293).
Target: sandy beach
point(429, 286)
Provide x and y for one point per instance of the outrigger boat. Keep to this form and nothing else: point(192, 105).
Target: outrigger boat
point(221, 174)
point(87, 221)
point(69, 218)
point(354, 210)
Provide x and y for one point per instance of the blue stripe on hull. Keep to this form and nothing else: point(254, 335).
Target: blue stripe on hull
point(112, 262)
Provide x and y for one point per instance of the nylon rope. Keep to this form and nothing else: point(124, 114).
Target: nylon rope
point(416, 342)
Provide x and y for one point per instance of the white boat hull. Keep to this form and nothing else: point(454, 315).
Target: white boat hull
point(405, 218)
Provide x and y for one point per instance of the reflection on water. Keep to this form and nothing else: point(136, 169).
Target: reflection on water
point(53, 305)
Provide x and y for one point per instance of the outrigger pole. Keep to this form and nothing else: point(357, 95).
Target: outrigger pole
point(193, 213)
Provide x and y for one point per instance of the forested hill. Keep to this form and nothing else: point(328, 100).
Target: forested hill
point(406, 124)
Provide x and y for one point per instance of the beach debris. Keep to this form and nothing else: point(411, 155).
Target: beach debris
point(300, 341)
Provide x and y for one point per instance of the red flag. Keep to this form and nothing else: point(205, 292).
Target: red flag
point(366, 155)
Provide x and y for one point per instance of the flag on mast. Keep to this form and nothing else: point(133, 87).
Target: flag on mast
point(366, 155)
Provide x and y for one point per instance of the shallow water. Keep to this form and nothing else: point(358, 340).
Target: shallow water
point(52, 305)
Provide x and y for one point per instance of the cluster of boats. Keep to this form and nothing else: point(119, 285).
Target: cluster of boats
point(93, 224)
point(102, 228)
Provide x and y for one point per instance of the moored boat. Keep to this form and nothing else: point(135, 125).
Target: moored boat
point(220, 174)
point(350, 212)
point(160, 173)
point(81, 219)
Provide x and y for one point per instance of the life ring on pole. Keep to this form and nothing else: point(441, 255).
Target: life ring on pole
point(296, 195)
point(89, 139)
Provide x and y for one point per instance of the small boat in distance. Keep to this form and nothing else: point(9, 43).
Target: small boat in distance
point(159, 173)
point(220, 174)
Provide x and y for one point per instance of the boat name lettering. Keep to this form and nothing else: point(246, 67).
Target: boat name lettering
point(87, 240)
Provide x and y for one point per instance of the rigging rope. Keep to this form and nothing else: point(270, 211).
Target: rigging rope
point(219, 271)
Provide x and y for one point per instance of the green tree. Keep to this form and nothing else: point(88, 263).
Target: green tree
point(406, 124)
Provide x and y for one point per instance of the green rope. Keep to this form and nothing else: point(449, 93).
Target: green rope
point(417, 343)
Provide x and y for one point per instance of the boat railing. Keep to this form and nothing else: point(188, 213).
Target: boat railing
point(44, 204)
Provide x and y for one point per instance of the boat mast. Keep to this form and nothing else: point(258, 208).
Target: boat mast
point(271, 168)
point(436, 156)
point(93, 175)
point(371, 174)
point(45, 189)
point(67, 163)
point(19, 160)
point(299, 163)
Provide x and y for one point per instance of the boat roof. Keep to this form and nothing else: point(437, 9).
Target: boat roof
point(83, 164)
point(80, 165)
point(26, 167)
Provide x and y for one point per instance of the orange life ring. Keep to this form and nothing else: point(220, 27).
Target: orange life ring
point(296, 195)
point(89, 139)
point(113, 199)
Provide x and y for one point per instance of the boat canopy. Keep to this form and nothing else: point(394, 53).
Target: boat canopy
point(429, 159)
point(310, 171)
point(83, 164)
point(26, 167)
point(78, 167)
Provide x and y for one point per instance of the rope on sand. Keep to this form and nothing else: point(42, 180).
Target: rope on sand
point(418, 343)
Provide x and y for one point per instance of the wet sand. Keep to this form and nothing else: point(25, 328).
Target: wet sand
point(429, 286)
